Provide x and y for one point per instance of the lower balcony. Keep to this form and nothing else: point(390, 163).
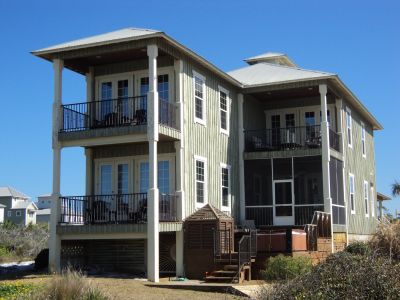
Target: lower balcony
point(290, 138)
point(114, 209)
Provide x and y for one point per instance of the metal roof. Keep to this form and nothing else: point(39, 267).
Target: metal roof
point(2, 206)
point(272, 57)
point(101, 39)
point(207, 212)
point(7, 191)
point(46, 211)
point(267, 73)
point(23, 205)
point(382, 197)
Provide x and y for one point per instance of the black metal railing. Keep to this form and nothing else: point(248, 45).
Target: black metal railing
point(106, 209)
point(334, 140)
point(244, 252)
point(127, 111)
point(167, 112)
point(289, 138)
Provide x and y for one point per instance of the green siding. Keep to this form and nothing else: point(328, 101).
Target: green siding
point(363, 169)
point(207, 141)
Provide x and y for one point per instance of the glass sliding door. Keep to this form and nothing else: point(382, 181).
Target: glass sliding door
point(106, 92)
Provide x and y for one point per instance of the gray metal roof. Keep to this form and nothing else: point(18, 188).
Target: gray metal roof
point(101, 39)
point(271, 57)
point(46, 211)
point(2, 206)
point(23, 205)
point(7, 191)
point(267, 73)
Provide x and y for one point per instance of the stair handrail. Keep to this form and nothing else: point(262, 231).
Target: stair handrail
point(245, 242)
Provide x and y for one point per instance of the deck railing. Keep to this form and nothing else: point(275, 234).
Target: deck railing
point(114, 209)
point(289, 138)
point(126, 111)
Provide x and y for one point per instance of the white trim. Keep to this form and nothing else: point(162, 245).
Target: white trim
point(204, 160)
point(349, 125)
point(288, 220)
point(9, 214)
point(225, 166)
point(352, 205)
point(363, 141)
point(227, 111)
point(202, 121)
point(18, 213)
point(372, 201)
point(366, 191)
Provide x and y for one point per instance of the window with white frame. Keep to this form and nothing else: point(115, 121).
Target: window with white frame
point(18, 213)
point(199, 101)
point(352, 194)
point(364, 150)
point(200, 177)
point(349, 128)
point(366, 198)
point(224, 110)
point(372, 202)
point(9, 213)
point(225, 186)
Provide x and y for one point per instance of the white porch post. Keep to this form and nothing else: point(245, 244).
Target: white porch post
point(55, 241)
point(323, 90)
point(180, 178)
point(153, 194)
point(241, 161)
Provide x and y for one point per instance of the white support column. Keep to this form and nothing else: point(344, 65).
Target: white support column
point(153, 193)
point(180, 169)
point(241, 160)
point(54, 240)
point(89, 171)
point(326, 156)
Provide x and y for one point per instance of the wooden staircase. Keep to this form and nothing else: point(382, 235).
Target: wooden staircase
point(231, 266)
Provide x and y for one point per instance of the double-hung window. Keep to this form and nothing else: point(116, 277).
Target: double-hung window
point(349, 128)
point(225, 187)
point(224, 110)
point(363, 145)
point(366, 198)
point(200, 180)
point(199, 98)
point(352, 194)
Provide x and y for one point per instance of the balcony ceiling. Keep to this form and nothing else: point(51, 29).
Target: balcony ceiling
point(303, 92)
point(82, 64)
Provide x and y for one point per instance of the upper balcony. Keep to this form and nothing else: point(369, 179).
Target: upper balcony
point(290, 138)
point(116, 117)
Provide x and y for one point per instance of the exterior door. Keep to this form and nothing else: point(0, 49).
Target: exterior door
point(283, 202)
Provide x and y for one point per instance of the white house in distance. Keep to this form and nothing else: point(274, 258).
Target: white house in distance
point(2, 213)
point(19, 209)
point(44, 206)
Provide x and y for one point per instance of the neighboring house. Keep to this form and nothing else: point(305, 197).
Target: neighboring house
point(380, 198)
point(2, 207)
point(18, 207)
point(44, 201)
point(166, 132)
point(43, 216)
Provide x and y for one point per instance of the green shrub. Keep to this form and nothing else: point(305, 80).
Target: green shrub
point(14, 290)
point(342, 276)
point(358, 248)
point(286, 267)
point(71, 285)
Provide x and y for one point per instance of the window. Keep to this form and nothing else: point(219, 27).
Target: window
point(200, 177)
point(349, 128)
point(199, 104)
point(106, 179)
point(366, 198)
point(163, 176)
point(9, 213)
point(224, 112)
point(225, 186)
point(372, 202)
point(352, 194)
point(364, 150)
point(17, 213)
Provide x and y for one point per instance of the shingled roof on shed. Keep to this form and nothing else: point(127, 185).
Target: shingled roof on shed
point(208, 212)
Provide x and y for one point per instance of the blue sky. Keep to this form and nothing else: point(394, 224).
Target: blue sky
point(359, 40)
